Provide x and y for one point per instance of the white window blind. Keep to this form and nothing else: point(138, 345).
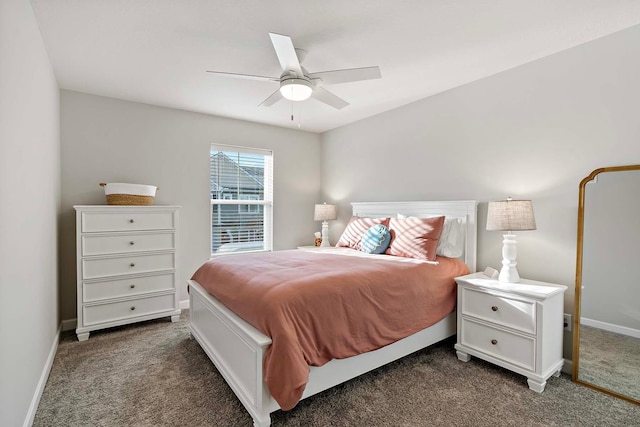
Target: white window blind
point(241, 199)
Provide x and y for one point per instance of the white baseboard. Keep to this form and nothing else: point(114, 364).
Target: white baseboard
point(567, 368)
point(610, 327)
point(42, 382)
point(69, 324)
point(184, 305)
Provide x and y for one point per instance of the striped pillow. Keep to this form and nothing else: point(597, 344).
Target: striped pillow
point(415, 237)
point(452, 239)
point(352, 235)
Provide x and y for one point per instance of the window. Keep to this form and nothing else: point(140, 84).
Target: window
point(249, 209)
point(241, 199)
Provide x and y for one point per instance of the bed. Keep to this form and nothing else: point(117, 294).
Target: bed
point(238, 349)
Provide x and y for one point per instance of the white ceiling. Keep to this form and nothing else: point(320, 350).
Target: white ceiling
point(157, 51)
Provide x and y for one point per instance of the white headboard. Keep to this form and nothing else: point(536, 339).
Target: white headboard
point(464, 209)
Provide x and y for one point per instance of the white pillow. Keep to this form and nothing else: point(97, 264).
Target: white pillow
point(451, 243)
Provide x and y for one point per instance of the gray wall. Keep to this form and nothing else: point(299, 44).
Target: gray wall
point(610, 257)
point(109, 140)
point(531, 132)
point(29, 204)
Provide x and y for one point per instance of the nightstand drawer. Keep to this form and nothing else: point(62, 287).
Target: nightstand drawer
point(96, 291)
point(121, 243)
point(127, 309)
point(123, 221)
point(516, 349)
point(514, 313)
point(105, 267)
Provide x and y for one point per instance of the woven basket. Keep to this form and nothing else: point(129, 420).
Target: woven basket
point(129, 194)
point(129, 199)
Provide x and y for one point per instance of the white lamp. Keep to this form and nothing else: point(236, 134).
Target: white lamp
point(324, 213)
point(510, 215)
point(296, 89)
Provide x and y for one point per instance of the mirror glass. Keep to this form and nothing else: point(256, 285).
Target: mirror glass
point(607, 336)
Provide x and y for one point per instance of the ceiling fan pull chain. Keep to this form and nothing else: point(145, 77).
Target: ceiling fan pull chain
point(293, 116)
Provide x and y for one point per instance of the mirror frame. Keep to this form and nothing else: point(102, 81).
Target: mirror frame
point(578, 289)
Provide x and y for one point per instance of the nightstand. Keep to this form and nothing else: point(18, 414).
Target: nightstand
point(316, 248)
point(518, 326)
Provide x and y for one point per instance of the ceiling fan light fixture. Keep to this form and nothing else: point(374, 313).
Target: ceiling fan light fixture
point(296, 89)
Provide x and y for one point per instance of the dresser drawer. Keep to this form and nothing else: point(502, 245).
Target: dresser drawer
point(127, 309)
point(126, 221)
point(105, 267)
point(119, 243)
point(96, 291)
point(516, 349)
point(514, 313)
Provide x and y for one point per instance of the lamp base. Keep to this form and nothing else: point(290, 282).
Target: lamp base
point(325, 235)
point(509, 273)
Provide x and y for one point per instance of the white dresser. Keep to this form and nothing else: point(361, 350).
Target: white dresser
point(126, 265)
point(518, 326)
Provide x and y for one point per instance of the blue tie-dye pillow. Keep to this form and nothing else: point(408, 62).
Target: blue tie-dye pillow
point(375, 240)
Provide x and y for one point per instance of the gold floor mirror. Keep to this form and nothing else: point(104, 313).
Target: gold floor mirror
point(606, 337)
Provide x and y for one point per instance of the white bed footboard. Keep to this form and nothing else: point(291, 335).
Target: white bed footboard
point(235, 347)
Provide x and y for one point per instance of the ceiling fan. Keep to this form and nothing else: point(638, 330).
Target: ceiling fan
point(297, 84)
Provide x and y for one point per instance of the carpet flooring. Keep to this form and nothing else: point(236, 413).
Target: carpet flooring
point(610, 360)
point(153, 374)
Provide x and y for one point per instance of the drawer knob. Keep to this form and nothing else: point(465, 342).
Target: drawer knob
point(132, 265)
point(132, 243)
point(132, 286)
point(133, 308)
point(131, 221)
point(494, 308)
point(494, 342)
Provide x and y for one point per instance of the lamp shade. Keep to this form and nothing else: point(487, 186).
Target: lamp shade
point(511, 215)
point(325, 212)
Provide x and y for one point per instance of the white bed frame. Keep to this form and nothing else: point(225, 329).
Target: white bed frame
point(236, 348)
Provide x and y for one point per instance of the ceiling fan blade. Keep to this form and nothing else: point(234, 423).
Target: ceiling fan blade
point(272, 99)
point(245, 76)
point(347, 75)
point(328, 98)
point(286, 53)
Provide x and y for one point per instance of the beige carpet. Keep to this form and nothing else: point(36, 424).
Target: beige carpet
point(610, 360)
point(153, 374)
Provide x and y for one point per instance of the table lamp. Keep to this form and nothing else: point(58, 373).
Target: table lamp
point(510, 215)
point(324, 213)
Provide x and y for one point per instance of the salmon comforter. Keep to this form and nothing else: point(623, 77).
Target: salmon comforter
point(328, 304)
